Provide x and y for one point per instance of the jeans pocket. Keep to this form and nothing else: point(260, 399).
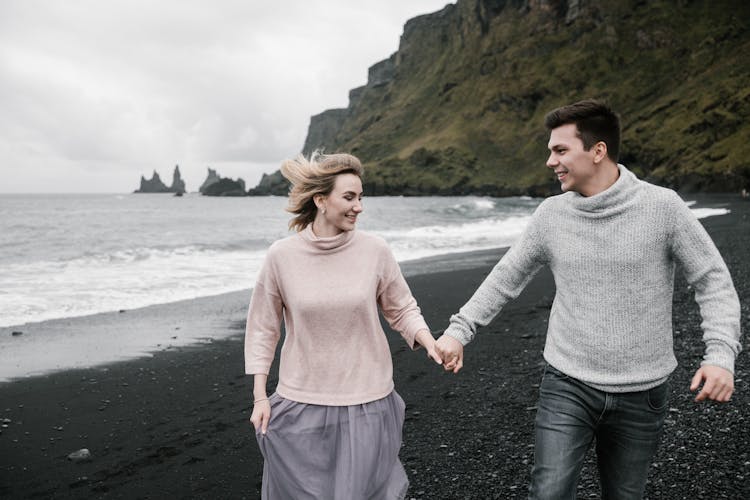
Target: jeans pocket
point(658, 397)
point(550, 370)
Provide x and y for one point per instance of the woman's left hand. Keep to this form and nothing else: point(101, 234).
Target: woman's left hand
point(427, 341)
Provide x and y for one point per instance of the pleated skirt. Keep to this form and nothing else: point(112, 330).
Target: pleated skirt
point(333, 452)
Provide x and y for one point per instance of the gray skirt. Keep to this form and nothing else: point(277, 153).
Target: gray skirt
point(333, 452)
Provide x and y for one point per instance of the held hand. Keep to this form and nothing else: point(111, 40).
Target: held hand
point(433, 354)
point(452, 352)
point(718, 383)
point(261, 415)
point(427, 341)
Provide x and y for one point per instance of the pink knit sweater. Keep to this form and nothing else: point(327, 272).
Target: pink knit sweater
point(328, 291)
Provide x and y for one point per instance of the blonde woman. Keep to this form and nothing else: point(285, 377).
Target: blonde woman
point(333, 427)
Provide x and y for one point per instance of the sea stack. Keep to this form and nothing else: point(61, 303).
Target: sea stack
point(156, 185)
point(153, 185)
point(212, 178)
point(178, 185)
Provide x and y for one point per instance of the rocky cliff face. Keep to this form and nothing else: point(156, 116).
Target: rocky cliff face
point(459, 107)
point(323, 128)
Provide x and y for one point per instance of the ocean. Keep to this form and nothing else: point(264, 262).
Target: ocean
point(70, 255)
point(73, 255)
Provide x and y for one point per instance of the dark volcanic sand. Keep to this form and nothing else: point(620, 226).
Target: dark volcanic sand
point(176, 425)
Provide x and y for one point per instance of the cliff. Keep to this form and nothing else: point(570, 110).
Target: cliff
point(459, 107)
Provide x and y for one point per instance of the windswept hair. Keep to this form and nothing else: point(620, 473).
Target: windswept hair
point(313, 176)
point(595, 122)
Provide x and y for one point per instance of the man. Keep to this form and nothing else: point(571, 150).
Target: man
point(612, 242)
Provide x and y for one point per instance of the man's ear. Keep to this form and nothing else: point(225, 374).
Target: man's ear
point(600, 151)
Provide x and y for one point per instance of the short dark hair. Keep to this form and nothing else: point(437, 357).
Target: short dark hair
point(595, 122)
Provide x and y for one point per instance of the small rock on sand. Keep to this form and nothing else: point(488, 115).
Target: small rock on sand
point(81, 455)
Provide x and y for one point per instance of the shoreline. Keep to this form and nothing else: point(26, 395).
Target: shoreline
point(170, 326)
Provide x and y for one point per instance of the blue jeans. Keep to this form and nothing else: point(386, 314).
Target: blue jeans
point(627, 427)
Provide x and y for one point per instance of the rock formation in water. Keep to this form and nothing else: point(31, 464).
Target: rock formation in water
point(156, 185)
point(226, 187)
point(273, 184)
point(212, 178)
point(459, 107)
point(153, 185)
point(215, 185)
point(178, 185)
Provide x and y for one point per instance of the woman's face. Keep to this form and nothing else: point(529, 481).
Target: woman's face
point(342, 206)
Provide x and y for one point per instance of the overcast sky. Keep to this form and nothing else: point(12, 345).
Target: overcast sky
point(96, 93)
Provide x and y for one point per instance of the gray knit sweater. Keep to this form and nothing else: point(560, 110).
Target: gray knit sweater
point(613, 258)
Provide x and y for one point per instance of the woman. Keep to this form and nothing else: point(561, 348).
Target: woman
point(333, 427)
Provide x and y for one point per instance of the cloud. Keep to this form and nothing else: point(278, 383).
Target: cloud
point(129, 86)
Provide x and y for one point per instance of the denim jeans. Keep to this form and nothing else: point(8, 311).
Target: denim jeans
point(570, 415)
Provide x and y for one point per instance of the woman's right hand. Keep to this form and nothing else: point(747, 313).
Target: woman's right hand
point(261, 415)
point(426, 340)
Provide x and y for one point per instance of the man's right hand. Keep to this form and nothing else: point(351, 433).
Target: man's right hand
point(718, 383)
point(452, 353)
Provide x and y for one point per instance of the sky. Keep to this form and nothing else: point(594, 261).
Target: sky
point(96, 93)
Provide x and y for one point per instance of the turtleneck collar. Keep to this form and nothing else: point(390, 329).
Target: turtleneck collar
point(327, 243)
point(610, 201)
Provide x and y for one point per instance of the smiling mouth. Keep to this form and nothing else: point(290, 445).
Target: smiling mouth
point(561, 173)
point(352, 218)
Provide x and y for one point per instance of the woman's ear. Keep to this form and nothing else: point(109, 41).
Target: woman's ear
point(319, 200)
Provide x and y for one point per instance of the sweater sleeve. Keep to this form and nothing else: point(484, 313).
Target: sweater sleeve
point(398, 305)
point(263, 328)
point(504, 283)
point(705, 270)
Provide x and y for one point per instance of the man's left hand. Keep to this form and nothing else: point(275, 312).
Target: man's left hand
point(718, 383)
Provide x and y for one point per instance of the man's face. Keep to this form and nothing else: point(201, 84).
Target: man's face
point(573, 166)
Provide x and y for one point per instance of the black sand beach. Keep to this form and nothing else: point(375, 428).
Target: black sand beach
point(176, 425)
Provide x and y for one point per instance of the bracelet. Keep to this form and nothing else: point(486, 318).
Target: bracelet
point(261, 399)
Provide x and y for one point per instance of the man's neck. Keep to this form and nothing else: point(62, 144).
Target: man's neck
point(608, 175)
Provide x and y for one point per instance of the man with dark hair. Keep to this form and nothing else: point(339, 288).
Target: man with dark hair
point(595, 122)
point(612, 242)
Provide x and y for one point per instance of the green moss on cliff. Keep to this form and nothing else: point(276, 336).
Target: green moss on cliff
point(471, 84)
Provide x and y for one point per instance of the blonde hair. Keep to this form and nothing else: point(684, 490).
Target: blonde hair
point(314, 176)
